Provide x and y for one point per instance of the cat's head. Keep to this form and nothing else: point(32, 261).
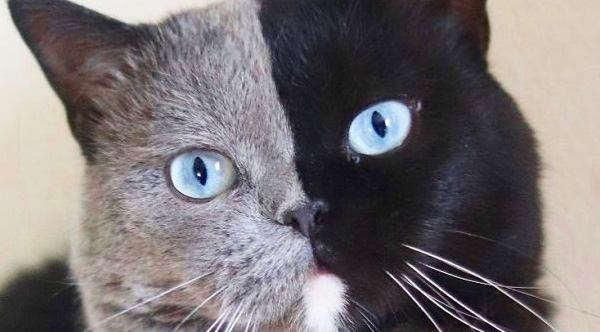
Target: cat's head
point(302, 163)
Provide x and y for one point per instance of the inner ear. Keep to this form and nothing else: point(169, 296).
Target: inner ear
point(473, 14)
point(80, 51)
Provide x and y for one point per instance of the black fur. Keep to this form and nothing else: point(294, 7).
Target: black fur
point(465, 184)
point(41, 301)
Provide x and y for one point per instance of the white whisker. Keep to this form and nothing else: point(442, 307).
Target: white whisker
point(218, 321)
point(453, 298)
point(223, 321)
point(191, 314)
point(436, 303)
point(369, 322)
point(416, 301)
point(492, 283)
point(234, 319)
point(247, 329)
point(364, 309)
point(445, 301)
point(143, 303)
point(514, 288)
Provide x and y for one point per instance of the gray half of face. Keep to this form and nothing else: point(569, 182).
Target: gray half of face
point(199, 80)
point(209, 86)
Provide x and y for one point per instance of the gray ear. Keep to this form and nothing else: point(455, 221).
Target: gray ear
point(80, 51)
point(474, 16)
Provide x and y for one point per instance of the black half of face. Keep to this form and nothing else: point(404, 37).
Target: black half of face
point(468, 157)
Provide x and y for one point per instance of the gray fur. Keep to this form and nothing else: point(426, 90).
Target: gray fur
point(202, 80)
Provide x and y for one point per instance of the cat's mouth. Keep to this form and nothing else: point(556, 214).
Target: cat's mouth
point(321, 266)
point(323, 258)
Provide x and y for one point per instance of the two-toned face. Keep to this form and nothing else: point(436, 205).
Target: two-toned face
point(314, 165)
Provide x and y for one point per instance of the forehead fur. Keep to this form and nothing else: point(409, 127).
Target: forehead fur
point(201, 79)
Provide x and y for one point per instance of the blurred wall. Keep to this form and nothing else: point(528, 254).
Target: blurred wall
point(546, 53)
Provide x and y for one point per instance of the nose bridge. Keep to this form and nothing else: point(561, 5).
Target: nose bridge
point(292, 198)
point(325, 172)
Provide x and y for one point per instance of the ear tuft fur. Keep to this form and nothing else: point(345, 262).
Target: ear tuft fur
point(79, 50)
point(474, 16)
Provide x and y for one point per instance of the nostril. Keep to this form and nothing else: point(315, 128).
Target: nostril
point(318, 217)
point(288, 218)
point(306, 218)
point(319, 209)
point(295, 224)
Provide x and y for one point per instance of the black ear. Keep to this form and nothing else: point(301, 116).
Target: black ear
point(474, 16)
point(80, 52)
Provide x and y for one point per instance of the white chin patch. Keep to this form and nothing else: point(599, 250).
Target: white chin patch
point(324, 302)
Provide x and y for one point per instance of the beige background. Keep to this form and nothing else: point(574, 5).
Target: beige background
point(546, 52)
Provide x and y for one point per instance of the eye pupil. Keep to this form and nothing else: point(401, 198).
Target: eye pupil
point(200, 170)
point(379, 124)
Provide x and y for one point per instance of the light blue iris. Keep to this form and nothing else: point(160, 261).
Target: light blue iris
point(202, 174)
point(380, 128)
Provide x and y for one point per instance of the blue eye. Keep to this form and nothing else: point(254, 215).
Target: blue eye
point(380, 128)
point(201, 174)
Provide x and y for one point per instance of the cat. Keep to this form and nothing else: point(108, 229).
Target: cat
point(295, 165)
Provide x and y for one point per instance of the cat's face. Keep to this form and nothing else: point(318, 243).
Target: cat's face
point(299, 162)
